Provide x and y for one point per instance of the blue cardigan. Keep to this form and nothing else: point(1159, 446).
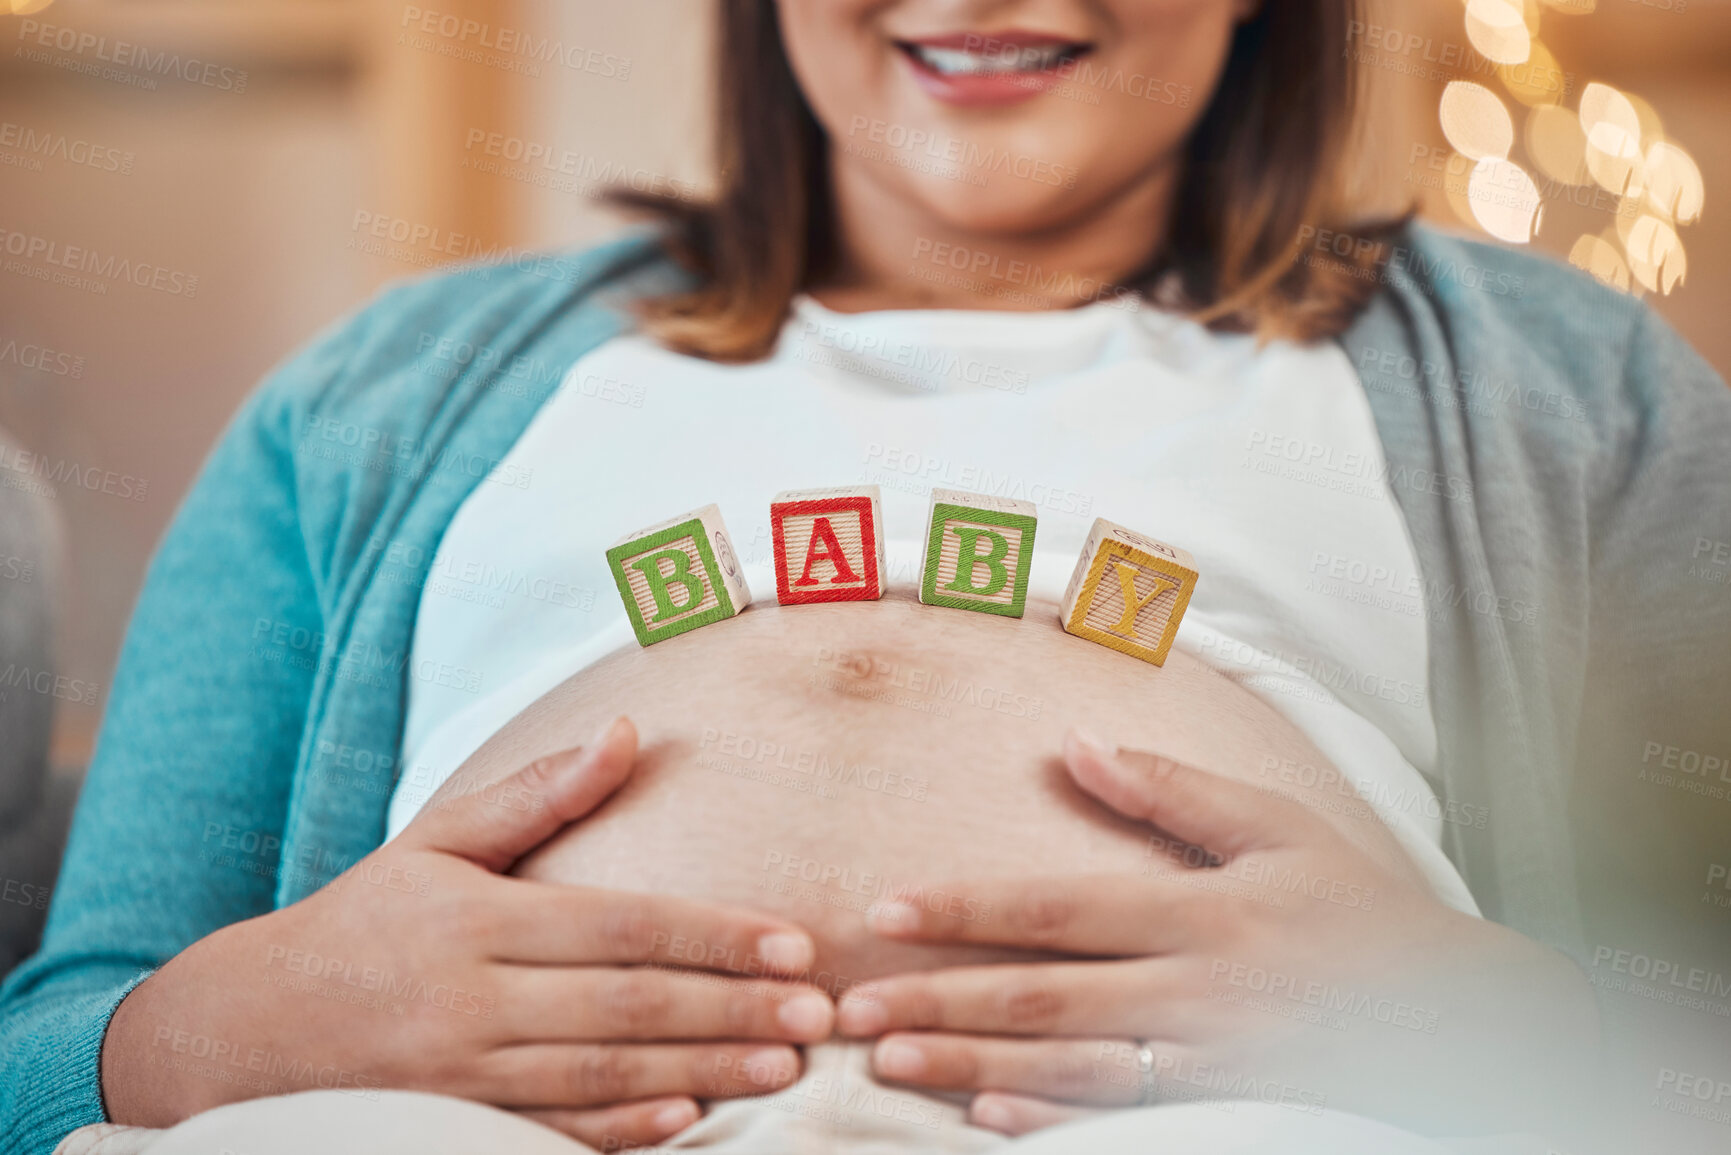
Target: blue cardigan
point(1558, 452)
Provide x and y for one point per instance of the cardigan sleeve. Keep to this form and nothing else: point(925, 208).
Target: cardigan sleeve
point(177, 829)
point(192, 816)
point(1653, 789)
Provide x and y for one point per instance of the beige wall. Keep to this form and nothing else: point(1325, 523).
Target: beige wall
point(248, 194)
point(346, 111)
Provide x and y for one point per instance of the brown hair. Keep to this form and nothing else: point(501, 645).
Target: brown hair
point(1262, 176)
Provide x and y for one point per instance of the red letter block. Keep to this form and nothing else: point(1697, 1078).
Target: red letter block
point(829, 545)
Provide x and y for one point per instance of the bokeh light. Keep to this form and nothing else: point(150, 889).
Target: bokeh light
point(1674, 185)
point(1652, 128)
point(1655, 252)
point(1613, 131)
point(1538, 80)
point(1475, 121)
point(1498, 29)
point(1612, 138)
point(1505, 201)
point(1457, 174)
point(1601, 258)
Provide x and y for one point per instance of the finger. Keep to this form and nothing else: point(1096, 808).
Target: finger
point(1020, 1114)
point(1069, 998)
point(651, 1003)
point(1102, 914)
point(1101, 1072)
point(1224, 816)
point(497, 823)
point(539, 922)
point(625, 1125)
point(594, 1075)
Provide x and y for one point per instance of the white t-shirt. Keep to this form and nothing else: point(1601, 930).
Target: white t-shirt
point(1263, 462)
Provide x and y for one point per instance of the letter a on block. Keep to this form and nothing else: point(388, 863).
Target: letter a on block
point(979, 552)
point(1128, 592)
point(829, 544)
point(678, 575)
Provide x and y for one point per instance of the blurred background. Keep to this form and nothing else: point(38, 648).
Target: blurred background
point(237, 161)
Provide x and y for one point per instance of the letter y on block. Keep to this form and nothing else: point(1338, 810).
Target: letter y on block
point(1128, 592)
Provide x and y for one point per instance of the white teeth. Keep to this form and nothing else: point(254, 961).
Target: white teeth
point(960, 62)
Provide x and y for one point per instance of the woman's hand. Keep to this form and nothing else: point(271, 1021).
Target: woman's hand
point(1263, 954)
point(423, 967)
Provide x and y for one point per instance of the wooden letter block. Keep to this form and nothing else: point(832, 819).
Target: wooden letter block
point(829, 545)
point(678, 575)
point(1129, 592)
point(979, 551)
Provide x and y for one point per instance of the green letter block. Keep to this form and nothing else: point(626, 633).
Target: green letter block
point(678, 575)
point(979, 551)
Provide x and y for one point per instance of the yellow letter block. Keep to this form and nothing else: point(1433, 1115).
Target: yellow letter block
point(1129, 592)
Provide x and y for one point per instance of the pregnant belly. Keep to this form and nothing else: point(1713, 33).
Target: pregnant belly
point(815, 760)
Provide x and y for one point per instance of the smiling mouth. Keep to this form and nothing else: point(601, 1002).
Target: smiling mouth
point(992, 58)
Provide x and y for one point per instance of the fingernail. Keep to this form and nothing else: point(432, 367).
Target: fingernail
point(783, 951)
point(992, 1114)
point(768, 1067)
point(806, 1015)
point(898, 1059)
point(1092, 744)
point(605, 733)
point(861, 1016)
point(895, 918)
point(675, 1117)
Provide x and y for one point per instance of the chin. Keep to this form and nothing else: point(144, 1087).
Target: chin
point(1005, 205)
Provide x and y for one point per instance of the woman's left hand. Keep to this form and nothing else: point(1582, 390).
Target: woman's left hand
point(1266, 954)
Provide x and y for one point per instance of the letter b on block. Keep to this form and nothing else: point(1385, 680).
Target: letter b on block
point(829, 544)
point(678, 575)
point(970, 559)
point(663, 570)
point(979, 552)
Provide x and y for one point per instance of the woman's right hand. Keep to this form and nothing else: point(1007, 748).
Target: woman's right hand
point(425, 967)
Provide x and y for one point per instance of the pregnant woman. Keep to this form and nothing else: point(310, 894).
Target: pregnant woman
point(394, 839)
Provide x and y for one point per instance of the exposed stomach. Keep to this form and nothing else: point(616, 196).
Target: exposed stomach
point(816, 760)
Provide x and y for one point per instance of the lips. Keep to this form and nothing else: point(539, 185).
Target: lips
point(976, 68)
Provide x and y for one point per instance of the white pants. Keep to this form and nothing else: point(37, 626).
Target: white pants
point(835, 1108)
